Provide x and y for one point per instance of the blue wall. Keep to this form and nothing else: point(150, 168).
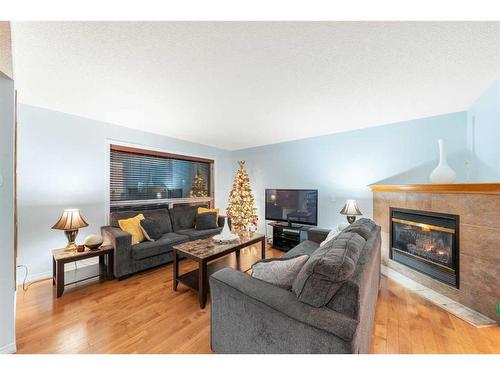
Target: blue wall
point(63, 164)
point(341, 166)
point(483, 135)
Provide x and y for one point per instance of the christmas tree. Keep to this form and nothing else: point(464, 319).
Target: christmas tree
point(198, 187)
point(241, 208)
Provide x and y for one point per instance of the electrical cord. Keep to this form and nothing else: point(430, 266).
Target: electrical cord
point(25, 287)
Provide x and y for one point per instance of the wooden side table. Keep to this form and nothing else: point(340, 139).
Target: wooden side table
point(104, 269)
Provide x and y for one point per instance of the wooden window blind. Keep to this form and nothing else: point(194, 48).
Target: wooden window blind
point(143, 177)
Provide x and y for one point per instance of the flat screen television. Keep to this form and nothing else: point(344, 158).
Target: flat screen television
point(292, 206)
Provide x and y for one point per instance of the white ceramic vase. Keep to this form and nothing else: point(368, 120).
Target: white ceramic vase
point(442, 174)
point(226, 232)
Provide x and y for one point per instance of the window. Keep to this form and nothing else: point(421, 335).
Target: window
point(143, 178)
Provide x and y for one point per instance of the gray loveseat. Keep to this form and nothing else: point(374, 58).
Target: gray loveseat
point(252, 316)
point(178, 225)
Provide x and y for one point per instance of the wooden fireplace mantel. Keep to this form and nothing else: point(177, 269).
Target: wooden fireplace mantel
point(459, 188)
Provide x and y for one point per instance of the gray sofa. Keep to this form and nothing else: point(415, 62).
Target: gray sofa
point(178, 226)
point(252, 316)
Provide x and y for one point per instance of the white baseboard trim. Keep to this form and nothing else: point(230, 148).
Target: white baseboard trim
point(8, 349)
point(48, 274)
point(33, 278)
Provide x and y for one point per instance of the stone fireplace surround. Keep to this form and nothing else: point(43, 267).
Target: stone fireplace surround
point(478, 206)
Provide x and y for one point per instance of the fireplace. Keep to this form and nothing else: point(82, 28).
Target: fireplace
point(426, 242)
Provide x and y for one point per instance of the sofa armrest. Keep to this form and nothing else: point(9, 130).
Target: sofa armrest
point(122, 243)
point(317, 235)
point(237, 286)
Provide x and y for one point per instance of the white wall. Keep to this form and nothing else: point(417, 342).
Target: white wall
point(484, 135)
point(63, 163)
point(7, 287)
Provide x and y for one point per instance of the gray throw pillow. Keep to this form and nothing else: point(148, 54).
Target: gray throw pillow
point(151, 229)
point(161, 217)
point(327, 269)
point(183, 217)
point(206, 220)
point(279, 271)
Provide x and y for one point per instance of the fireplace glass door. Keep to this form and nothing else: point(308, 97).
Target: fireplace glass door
point(427, 242)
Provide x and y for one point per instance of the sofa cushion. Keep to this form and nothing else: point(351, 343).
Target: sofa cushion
point(304, 248)
point(161, 217)
point(363, 227)
point(327, 269)
point(183, 217)
point(151, 229)
point(331, 236)
point(133, 226)
point(202, 210)
point(206, 220)
point(161, 246)
point(194, 234)
point(279, 271)
point(122, 215)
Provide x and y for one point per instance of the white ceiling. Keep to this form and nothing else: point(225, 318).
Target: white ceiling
point(241, 84)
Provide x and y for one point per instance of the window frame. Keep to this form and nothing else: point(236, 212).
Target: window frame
point(210, 200)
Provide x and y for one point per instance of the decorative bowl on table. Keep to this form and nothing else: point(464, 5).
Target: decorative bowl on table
point(225, 238)
point(93, 241)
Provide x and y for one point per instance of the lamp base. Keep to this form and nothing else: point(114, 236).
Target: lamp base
point(351, 219)
point(71, 236)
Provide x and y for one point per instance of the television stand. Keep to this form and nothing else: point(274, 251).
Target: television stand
point(287, 225)
point(286, 237)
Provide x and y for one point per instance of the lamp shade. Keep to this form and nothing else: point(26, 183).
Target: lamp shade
point(70, 220)
point(350, 208)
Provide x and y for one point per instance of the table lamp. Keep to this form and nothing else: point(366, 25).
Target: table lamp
point(70, 221)
point(351, 210)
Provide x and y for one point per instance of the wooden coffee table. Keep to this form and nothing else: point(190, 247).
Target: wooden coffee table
point(207, 250)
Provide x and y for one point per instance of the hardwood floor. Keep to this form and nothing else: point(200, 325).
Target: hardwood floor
point(406, 323)
point(142, 314)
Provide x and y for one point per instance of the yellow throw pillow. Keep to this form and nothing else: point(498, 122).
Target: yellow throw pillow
point(202, 210)
point(133, 226)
